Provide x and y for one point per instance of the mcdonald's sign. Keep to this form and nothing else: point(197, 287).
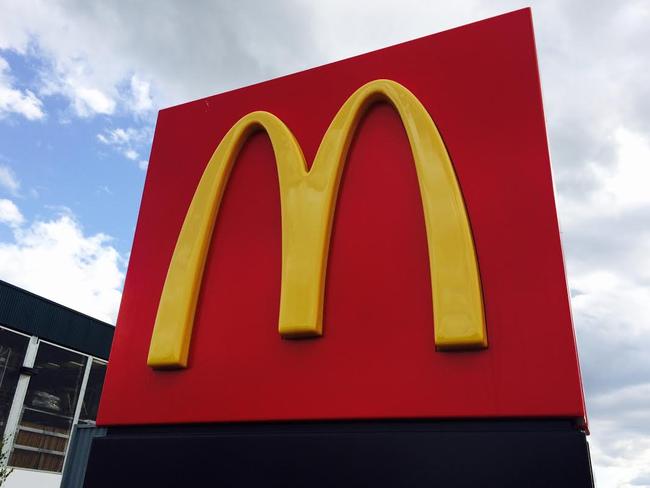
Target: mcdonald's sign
point(374, 238)
point(307, 200)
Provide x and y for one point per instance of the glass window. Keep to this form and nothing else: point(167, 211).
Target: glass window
point(48, 410)
point(93, 392)
point(12, 354)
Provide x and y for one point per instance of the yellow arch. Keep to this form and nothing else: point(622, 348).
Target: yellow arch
point(308, 200)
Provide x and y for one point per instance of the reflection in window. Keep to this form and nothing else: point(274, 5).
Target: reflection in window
point(48, 409)
point(93, 392)
point(12, 354)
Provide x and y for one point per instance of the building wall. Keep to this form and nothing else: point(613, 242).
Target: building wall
point(52, 366)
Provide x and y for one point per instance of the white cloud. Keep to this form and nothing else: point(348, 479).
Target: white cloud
point(618, 187)
point(15, 101)
point(141, 95)
point(607, 243)
point(125, 140)
point(122, 137)
point(8, 179)
point(88, 101)
point(624, 462)
point(56, 259)
point(177, 54)
point(628, 182)
point(143, 164)
point(10, 214)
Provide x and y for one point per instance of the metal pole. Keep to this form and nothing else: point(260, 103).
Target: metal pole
point(80, 400)
point(19, 398)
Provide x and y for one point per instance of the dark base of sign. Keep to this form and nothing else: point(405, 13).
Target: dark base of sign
point(344, 454)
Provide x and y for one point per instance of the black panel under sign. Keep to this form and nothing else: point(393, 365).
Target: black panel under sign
point(359, 454)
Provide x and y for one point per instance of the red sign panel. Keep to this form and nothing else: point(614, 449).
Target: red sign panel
point(376, 357)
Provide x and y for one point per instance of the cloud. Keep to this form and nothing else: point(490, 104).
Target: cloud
point(88, 101)
point(119, 136)
point(642, 480)
point(15, 101)
point(56, 259)
point(125, 140)
point(607, 244)
point(9, 213)
point(8, 179)
point(105, 57)
point(141, 95)
point(626, 183)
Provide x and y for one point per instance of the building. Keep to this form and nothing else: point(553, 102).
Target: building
point(52, 367)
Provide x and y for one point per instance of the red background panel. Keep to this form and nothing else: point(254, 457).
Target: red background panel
point(377, 357)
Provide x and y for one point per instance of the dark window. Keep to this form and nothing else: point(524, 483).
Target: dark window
point(48, 410)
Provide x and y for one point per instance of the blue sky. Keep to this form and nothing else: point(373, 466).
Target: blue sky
point(60, 160)
point(81, 83)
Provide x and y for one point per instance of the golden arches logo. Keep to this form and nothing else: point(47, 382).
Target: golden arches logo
point(308, 199)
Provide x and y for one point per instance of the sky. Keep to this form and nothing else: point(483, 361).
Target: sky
point(81, 83)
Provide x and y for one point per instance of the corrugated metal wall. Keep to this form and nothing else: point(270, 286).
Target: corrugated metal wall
point(34, 315)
